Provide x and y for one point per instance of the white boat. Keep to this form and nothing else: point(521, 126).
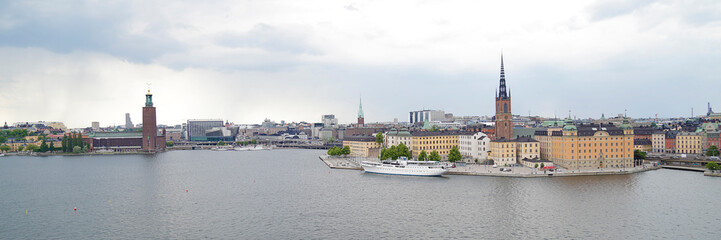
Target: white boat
point(404, 167)
point(221, 148)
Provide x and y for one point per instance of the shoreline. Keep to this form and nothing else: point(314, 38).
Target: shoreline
point(346, 163)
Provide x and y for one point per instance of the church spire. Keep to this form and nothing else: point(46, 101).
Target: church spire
point(502, 89)
point(360, 108)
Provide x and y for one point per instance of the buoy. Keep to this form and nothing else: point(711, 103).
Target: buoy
point(186, 190)
point(26, 212)
point(75, 209)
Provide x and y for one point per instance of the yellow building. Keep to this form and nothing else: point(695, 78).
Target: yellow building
point(689, 142)
point(14, 145)
point(440, 141)
point(588, 146)
point(514, 151)
point(643, 145)
point(362, 146)
point(503, 152)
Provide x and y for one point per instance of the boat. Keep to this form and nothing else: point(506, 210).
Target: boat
point(405, 167)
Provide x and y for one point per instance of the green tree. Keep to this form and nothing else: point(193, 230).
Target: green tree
point(77, 149)
point(639, 155)
point(423, 156)
point(712, 166)
point(345, 150)
point(712, 151)
point(434, 128)
point(3, 139)
point(454, 155)
point(20, 148)
point(4, 148)
point(52, 147)
point(543, 165)
point(169, 143)
point(402, 151)
point(31, 147)
point(221, 143)
point(85, 149)
point(434, 156)
point(384, 154)
point(253, 141)
point(535, 166)
point(392, 152)
point(43, 146)
point(379, 138)
point(335, 151)
point(64, 144)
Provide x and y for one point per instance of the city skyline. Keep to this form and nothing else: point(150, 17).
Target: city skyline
point(84, 62)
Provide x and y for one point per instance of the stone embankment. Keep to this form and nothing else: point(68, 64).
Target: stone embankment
point(341, 162)
point(352, 163)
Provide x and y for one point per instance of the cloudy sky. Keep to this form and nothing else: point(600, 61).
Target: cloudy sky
point(83, 61)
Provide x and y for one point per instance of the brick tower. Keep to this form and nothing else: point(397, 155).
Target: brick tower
point(150, 130)
point(504, 125)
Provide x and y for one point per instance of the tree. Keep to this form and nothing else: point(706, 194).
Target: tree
point(543, 165)
point(335, 151)
point(434, 128)
point(85, 149)
point(31, 147)
point(712, 166)
point(454, 155)
point(64, 144)
point(345, 150)
point(392, 153)
point(4, 148)
point(384, 154)
point(423, 156)
point(253, 141)
point(52, 147)
point(221, 143)
point(379, 138)
point(535, 166)
point(434, 156)
point(169, 143)
point(77, 149)
point(639, 155)
point(402, 151)
point(712, 151)
point(43, 146)
point(3, 139)
point(20, 148)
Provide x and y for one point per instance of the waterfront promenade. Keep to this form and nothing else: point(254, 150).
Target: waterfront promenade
point(352, 163)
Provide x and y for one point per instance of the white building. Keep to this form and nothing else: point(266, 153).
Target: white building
point(430, 115)
point(474, 146)
point(658, 142)
point(394, 137)
point(329, 120)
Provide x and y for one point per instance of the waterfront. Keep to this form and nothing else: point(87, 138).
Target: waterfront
point(284, 194)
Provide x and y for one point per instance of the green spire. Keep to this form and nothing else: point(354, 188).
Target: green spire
point(148, 99)
point(360, 108)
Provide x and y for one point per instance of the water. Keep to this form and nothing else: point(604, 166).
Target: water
point(285, 194)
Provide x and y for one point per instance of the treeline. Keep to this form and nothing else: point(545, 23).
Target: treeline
point(336, 151)
point(73, 142)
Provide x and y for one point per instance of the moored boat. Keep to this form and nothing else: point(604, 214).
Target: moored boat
point(405, 167)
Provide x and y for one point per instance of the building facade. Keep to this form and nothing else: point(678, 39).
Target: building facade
point(588, 146)
point(474, 146)
point(394, 137)
point(197, 128)
point(671, 141)
point(363, 146)
point(504, 124)
point(658, 142)
point(503, 152)
point(440, 141)
point(426, 115)
point(689, 142)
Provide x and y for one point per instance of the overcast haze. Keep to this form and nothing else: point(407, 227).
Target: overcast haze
point(243, 61)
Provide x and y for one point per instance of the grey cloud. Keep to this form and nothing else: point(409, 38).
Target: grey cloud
point(604, 9)
point(99, 28)
point(269, 38)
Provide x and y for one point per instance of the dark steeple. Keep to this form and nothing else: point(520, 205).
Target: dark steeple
point(502, 89)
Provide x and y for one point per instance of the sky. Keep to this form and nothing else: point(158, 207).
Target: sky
point(244, 61)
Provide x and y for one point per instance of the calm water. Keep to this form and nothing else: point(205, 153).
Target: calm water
point(284, 194)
